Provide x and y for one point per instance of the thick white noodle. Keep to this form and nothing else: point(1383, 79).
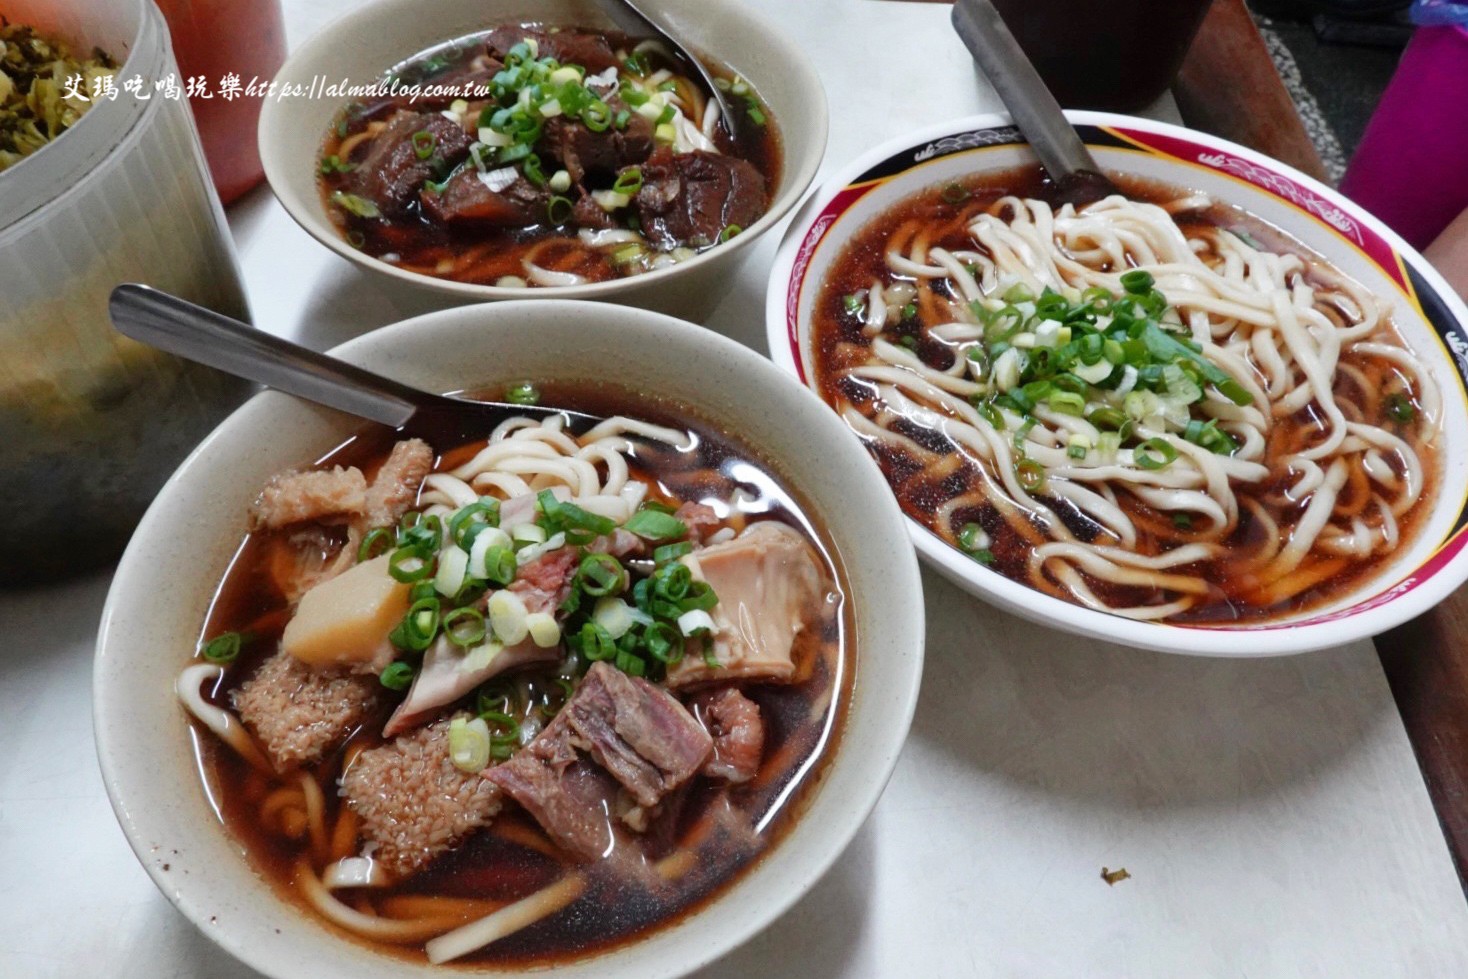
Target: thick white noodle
point(223, 723)
point(1276, 323)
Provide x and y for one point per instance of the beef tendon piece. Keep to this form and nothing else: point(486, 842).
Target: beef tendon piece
point(770, 586)
point(299, 714)
point(414, 803)
point(692, 198)
point(393, 173)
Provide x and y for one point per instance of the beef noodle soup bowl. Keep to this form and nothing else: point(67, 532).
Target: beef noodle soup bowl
point(528, 150)
point(1223, 413)
point(337, 772)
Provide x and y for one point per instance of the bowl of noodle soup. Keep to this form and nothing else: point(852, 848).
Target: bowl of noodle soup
point(1222, 414)
point(537, 256)
point(237, 818)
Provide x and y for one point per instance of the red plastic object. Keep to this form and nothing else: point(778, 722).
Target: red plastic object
point(214, 41)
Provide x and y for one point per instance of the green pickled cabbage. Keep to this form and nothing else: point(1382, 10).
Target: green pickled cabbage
point(35, 106)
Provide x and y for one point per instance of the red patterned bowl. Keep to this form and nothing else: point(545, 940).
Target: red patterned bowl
point(1432, 319)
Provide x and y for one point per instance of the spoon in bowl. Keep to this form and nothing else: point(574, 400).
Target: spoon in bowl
point(1071, 167)
point(194, 333)
point(631, 19)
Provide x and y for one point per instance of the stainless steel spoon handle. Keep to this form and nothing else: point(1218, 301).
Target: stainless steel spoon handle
point(633, 20)
point(1018, 85)
point(198, 334)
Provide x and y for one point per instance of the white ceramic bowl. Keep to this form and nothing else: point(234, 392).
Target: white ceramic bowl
point(362, 45)
point(1431, 317)
point(165, 580)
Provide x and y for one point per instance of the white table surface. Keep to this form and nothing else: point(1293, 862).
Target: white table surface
point(1271, 813)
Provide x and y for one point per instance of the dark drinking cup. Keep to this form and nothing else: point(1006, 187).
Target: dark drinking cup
point(1119, 54)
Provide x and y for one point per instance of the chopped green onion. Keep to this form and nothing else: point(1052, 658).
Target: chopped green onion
point(469, 744)
point(410, 563)
point(756, 116)
point(569, 517)
point(655, 526)
point(601, 574)
point(420, 625)
point(852, 302)
point(465, 525)
point(729, 232)
point(597, 116)
point(532, 170)
point(376, 542)
point(595, 643)
point(558, 209)
point(664, 642)
point(1400, 408)
point(955, 193)
point(500, 565)
point(424, 143)
point(971, 537)
point(1031, 475)
point(397, 675)
point(524, 393)
point(464, 626)
point(333, 164)
point(352, 204)
point(1066, 403)
point(1137, 281)
point(1182, 521)
point(1155, 453)
point(671, 552)
point(629, 181)
point(223, 648)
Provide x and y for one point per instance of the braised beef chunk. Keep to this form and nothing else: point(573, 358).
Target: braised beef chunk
point(589, 214)
point(591, 51)
point(469, 78)
point(690, 198)
point(615, 729)
point(638, 732)
point(738, 731)
point(569, 795)
point(392, 173)
point(583, 152)
point(467, 199)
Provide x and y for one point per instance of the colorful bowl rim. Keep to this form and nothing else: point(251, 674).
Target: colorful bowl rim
point(1423, 287)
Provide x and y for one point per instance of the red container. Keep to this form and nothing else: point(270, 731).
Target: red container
point(1119, 55)
point(216, 40)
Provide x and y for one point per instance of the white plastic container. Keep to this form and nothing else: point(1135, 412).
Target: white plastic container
point(91, 422)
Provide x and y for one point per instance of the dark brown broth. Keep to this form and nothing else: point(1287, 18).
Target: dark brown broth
point(838, 344)
point(612, 911)
point(484, 255)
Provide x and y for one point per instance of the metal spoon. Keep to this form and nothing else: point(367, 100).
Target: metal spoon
point(631, 20)
point(202, 335)
point(1065, 158)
